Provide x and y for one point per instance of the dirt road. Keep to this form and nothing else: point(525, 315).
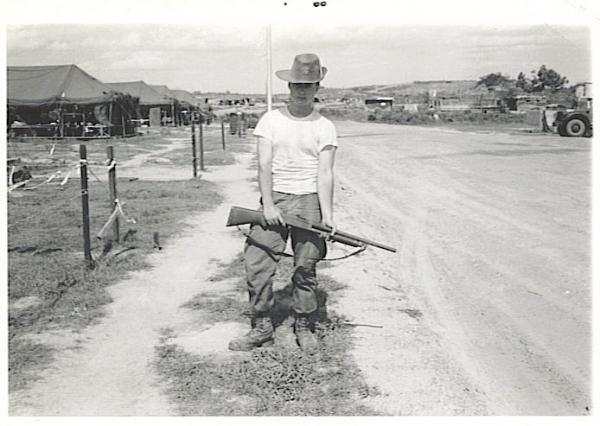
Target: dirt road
point(487, 306)
point(485, 309)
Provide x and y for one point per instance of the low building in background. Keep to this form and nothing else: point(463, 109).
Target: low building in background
point(379, 102)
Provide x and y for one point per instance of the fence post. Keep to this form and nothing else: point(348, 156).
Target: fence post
point(223, 132)
point(85, 208)
point(201, 134)
point(194, 158)
point(112, 187)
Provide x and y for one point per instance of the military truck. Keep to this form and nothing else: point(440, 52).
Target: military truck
point(578, 121)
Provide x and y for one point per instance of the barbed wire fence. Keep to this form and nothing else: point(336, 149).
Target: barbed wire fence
point(82, 169)
point(65, 173)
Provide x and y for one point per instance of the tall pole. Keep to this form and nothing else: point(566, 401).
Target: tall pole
point(269, 66)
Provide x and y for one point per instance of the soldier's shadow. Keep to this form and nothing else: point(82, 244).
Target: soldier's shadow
point(283, 308)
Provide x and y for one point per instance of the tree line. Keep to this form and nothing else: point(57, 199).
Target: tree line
point(536, 81)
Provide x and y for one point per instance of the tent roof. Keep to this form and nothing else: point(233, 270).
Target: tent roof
point(163, 90)
point(44, 85)
point(144, 92)
point(184, 96)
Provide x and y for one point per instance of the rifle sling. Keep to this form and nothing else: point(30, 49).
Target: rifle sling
point(274, 253)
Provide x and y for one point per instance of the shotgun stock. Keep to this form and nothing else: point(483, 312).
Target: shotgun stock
point(242, 216)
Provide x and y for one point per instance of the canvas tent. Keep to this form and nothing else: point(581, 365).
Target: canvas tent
point(144, 92)
point(184, 96)
point(189, 105)
point(47, 85)
point(149, 98)
point(176, 106)
point(163, 90)
point(63, 101)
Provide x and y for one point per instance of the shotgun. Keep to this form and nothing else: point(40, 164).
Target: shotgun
point(242, 216)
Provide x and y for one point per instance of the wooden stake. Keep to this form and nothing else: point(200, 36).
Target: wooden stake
point(223, 132)
point(110, 108)
point(112, 187)
point(201, 146)
point(85, 208)
point(194, 159)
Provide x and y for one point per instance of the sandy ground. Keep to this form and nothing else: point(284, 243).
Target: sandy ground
point(493, 238)
point(485, 309)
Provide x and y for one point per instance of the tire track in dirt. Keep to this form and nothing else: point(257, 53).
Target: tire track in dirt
point(508, 343)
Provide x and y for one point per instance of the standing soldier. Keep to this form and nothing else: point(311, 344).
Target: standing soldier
point(296, 152)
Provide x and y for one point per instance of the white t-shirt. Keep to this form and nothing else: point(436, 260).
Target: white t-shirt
point(296, 146)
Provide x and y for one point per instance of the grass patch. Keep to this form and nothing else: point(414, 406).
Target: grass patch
point(35, 153)
point(269, 382)
point(217, 308)
point(275, 381)
point(45, 250)
point(31, 356)
point(214, 155)
point(233, 269)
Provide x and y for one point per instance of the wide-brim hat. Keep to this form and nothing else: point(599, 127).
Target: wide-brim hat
point(305, 69)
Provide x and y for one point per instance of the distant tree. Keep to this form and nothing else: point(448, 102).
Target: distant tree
point(493, 80)
point(548, 78)
point(543, 78)
point(524, 83)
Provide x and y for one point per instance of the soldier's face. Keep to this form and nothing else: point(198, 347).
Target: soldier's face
point(303, 93)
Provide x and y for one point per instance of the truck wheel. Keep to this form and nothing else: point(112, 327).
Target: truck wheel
point(561, 129)
point(576, 126)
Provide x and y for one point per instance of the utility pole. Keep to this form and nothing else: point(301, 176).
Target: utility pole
point(269, 66)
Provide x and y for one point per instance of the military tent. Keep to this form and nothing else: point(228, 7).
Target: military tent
point(176, 107)
point(163, 90)
point(189, 103)
point(144, 92)
point(184, 96)
point(54, 84)
point(63, 101)
point(149, 98)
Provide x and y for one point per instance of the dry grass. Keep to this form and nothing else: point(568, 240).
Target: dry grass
point(45, 258)
point(275, 381)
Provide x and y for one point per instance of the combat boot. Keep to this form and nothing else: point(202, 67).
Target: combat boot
point(261, 334)
point(306, 339)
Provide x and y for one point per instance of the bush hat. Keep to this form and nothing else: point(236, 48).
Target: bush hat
point(305, 69)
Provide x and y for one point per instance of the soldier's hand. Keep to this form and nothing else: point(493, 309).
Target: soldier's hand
point(273, 215)
point(328, 221)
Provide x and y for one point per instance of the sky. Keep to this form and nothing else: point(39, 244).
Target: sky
point(218, 59)
point(222, 54)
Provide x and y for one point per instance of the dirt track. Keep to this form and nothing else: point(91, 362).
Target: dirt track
point(485, 308)
point(493, 235)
